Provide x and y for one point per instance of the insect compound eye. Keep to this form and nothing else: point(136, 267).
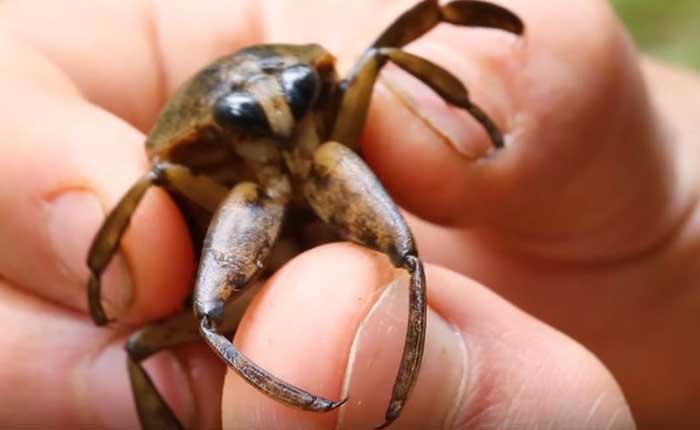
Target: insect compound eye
point(241, 110)
point(300, 84)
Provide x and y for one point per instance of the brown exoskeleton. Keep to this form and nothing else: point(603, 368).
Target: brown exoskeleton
point(257, 147)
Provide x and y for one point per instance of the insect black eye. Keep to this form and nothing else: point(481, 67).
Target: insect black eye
point(241, 110)
point(301, 86)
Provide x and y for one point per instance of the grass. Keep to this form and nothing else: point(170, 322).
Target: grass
point(668, 29)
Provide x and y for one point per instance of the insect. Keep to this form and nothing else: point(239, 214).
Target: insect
point(260, 151)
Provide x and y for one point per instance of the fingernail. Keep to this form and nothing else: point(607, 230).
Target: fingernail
point(75, 218)
point(374, 362)
point(452, 125)
point(108, 388)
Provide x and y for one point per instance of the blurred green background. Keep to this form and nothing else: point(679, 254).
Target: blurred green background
point(668, 29)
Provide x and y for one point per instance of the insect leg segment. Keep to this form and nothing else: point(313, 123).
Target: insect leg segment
point(344, 192)
point(356, 89)
point(182, 328)
point(445, 84)
point(153, 411)
point(259, 378)
point(241, 235)
point(420, 19)
point(200, 189)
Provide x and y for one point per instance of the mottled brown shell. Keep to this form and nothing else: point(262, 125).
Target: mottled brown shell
point(188, 116)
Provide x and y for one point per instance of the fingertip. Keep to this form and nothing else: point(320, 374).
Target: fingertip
point(300, 327)
point(139, 69)
point(485, 364)
point(333, 322)
point(160, 259)
point(87, 159)
point(431, 154)
point(567, 101)
point(151, 273)
point(374, 362)
point(521, 370)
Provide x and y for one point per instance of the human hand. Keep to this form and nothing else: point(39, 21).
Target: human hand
point(584, 220)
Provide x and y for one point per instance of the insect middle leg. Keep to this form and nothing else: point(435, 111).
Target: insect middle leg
point(345, 193)
point(204, 192)
point(356, 88)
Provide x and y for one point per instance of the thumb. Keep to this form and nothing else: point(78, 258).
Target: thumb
point(588, 172)
point(486, 363)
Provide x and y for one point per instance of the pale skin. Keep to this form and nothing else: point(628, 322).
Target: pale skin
point(586, 221)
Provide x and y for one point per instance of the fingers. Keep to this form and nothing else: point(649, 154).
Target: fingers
point(59, 368)
point(570, 99)
point(131, 73)
point(486, 364)
point(585, 173)
point(68, 162)
point(311, 314)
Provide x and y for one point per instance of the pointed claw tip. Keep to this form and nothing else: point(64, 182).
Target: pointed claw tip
point(99, 322)
point(516, 25)
point(323, 405)
point(386, 424)
point(96, 311)
point(497, 138)
point(99, 318)
point(498, 143)
point(392, 413)
point(98, 315)
point(339, 403)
